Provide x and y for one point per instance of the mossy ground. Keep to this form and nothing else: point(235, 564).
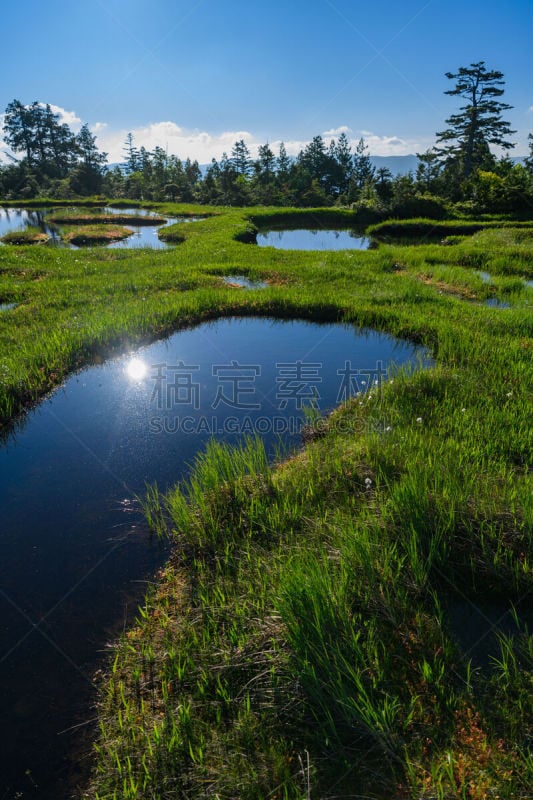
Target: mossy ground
point(305, 639)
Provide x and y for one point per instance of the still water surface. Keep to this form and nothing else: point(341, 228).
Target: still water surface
point(318, 239)
point(76, 554)
point(17, 219)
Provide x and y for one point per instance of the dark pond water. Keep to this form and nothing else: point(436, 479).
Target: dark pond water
point(476, 625)
point(318, 239)
point(17, 219)
point(75, 551)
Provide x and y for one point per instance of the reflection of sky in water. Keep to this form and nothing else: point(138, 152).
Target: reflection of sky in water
point(73, 541)
point(144, 235)
point(243, 282)
point(486, 277)
point(16, 219)
point(318, 239)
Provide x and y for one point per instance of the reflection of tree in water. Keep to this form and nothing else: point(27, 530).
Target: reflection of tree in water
point(38, 219)
point(316, 238)
point(12, 219)
point(10, 430)
point(18, 219)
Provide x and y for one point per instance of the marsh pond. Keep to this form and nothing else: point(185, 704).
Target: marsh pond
point(76, 552)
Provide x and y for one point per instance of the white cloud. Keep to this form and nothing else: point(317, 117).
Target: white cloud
point(383, 145)
point(98, 127)
point(193, 144)
point(337, 131)
point(66, 117)
point(204, 146)
point(377, 145)
point(393, 145)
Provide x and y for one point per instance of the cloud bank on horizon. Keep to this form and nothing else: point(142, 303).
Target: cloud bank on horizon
point(204, 146)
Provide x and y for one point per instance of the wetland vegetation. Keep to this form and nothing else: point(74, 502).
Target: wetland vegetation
point(351, 617)
point(308, 630)
point(83, 227)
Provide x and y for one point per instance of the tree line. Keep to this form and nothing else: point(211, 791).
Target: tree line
point(52, 161)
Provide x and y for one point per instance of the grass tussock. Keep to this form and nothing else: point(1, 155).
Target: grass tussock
point(26, 236)
point(77, 218)
point(87, 235)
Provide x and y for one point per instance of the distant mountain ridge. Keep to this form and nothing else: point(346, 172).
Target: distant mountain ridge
point(398, 165)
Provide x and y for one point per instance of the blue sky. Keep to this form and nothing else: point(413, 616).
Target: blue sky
point(194, 76)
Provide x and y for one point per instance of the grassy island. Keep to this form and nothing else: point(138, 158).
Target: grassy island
point(87, 235)
point(77, 218)
point(26, 236)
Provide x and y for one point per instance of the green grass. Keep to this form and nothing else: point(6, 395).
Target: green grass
point(303, 640)
point(437, 229)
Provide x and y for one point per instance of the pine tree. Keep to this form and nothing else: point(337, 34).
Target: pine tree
point(240, 158)
point(344, 158)
point(478, 123)
point(61, 144)
point(18, 130)
point(428, 170)
point(363, 171)
point(284, 162)
point(89, 153)
point(86, 177)
point(132, 155)
point(529, 160)
point(265, 163)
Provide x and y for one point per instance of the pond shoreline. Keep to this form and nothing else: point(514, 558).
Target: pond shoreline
point(110, 402)
point(394, 510)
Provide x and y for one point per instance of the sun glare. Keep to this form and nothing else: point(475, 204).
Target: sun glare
point(136, 369)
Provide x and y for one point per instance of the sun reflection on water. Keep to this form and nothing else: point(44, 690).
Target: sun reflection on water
point(136, 369)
